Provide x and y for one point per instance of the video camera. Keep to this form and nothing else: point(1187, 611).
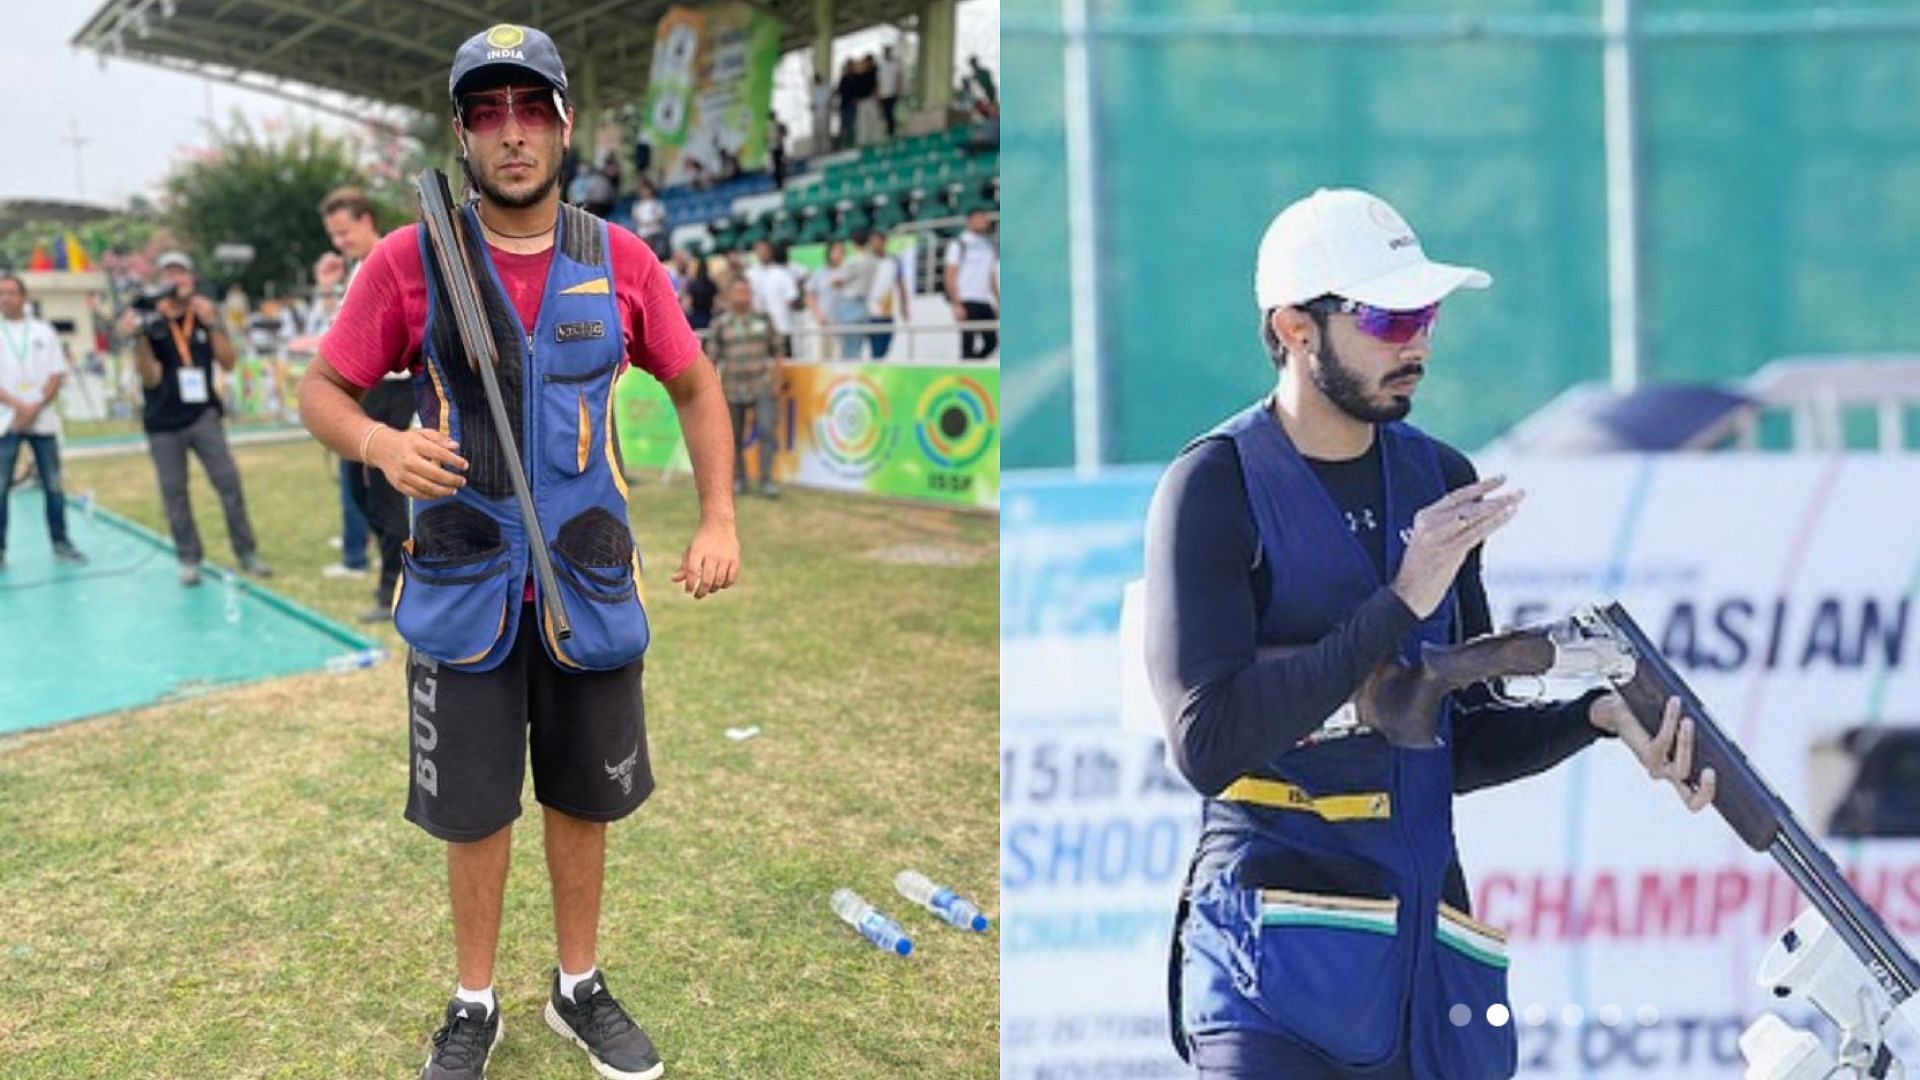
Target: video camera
point(147, 299)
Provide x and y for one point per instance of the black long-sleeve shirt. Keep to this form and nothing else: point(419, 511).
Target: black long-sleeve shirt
point(1229, 712)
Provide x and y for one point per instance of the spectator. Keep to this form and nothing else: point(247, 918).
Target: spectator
point(747, 351)
point(697, 177)
point(984, 80)
point(822, 110)
point(973, 283)
point(650, 219)
point(866, 122)
point(603, 187)
point(610, 164)
point(856, 281)
point(679, 269)
point(729, 164)
point(777, 152)
point(642, 158)
point(827, 300)
point(572, 185)
point(699, 295)
point(32, 368)
point(886, 294)
point(775, 292)
point(175, 349)
point(847, 91)
point(888, 86)
point(330, 273)
point(354, 231)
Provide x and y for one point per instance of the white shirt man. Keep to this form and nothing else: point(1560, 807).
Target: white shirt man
point(31, 359)
point(774, 292)
point(976, 269)
point(32, 366)
point(973, 284)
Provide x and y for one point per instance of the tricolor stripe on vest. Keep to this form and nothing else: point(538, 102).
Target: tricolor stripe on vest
point(1279, 907)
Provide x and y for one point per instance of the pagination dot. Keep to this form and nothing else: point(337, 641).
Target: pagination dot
point(1610, 1014)
point(1497, 1015)
point(1460, 1014)
point(1536, 1014)
point(1573, 1016)
point(1647, 1015)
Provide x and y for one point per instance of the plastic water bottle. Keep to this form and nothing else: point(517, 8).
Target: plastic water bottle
point(873, 925)
point(86, 505)
point(230, 589)
point(354, 661)
point(948, 905)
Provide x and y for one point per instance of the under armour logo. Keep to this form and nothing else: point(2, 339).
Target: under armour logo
point(1363, 522)
point(623, 772)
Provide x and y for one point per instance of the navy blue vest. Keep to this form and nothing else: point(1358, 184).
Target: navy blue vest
point(467, 561)
point(1316, 908)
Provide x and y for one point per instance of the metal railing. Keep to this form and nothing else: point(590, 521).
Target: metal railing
point(830, 342)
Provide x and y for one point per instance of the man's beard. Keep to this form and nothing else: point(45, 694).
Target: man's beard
point(513, 202)
point(1347, 389)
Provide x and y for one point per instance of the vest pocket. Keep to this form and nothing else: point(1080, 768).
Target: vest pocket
point(1332, 972)
point(454, 603)
point(596, 565)
point(1471, 961)
point(573, 418)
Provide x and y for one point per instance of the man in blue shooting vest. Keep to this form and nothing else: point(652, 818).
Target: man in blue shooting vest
point(1297, 549)
point(570, 304)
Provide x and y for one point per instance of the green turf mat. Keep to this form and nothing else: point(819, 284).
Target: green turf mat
point(121, 632)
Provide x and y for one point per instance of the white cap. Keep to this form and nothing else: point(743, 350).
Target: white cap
point(174, 258)
point(1351, 243)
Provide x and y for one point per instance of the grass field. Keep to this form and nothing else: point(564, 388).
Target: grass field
point(224, 887)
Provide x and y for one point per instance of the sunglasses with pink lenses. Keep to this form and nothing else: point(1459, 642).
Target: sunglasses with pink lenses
point(487, 112)
point(1384, 324)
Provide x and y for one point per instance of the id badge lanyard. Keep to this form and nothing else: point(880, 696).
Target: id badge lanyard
point(192, 380)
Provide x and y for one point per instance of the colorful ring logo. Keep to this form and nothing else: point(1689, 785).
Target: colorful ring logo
point(956, 422)
point(854, 430)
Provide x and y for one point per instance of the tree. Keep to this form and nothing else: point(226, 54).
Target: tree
point(263, 189)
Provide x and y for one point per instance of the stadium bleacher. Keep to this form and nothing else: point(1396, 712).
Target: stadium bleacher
point(917, 178)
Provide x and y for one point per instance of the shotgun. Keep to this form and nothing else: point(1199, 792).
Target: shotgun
point(445, 238)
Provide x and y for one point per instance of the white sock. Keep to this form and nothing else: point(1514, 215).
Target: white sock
point(568, 982)
point(482, 997)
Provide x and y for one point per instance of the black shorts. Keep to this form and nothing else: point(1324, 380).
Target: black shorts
point(471, 731)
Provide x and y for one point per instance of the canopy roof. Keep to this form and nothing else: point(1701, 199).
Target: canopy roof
point(397, 52)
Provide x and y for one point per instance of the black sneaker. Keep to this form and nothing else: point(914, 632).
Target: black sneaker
point(463, 1044)
point(67, 553)
point(596, 1023)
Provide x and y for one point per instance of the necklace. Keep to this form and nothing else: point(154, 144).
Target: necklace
point(520, 236)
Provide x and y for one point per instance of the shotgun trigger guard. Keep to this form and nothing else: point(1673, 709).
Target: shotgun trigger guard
point(1503, 690)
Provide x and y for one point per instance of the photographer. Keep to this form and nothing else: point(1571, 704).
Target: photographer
point(178, 337)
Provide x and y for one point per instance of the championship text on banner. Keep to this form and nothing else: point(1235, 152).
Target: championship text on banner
point(710, 87)
point(917, 432)
point(1782, 588)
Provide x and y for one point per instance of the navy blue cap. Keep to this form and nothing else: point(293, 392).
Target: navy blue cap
point(509, 46)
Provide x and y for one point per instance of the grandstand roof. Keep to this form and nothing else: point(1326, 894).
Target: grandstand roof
point(397, 52)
